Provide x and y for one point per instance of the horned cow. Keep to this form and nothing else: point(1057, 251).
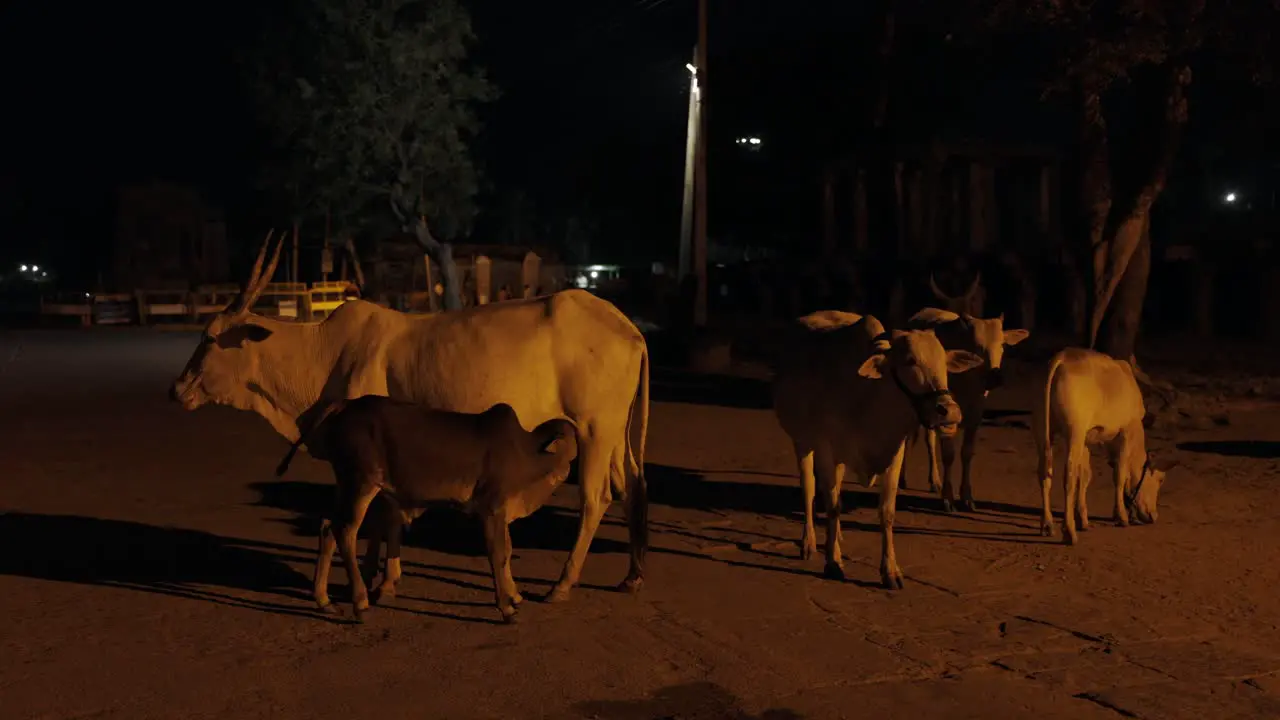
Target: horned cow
point(987, 338)
point(848, 394)
point(1093, 399)
point(569, 354)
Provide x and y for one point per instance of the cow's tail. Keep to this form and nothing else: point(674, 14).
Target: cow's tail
point(283, 467)
point(1046, 415)
point(637, 488)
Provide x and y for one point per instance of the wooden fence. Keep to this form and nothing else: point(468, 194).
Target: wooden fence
point(298, 301)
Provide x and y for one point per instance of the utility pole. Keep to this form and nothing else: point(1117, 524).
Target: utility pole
point(700, 176)
point(690, 151)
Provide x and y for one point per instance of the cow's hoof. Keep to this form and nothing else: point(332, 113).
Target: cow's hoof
point(328, 608)
point(382, 594)
point(948, 506)
point(969, 506)
point(517, 599)
point(631, 585)
point(808, 551)
point(1122, 522)
point(892, 581)
point(1069, 538)
point(510, 617)
point(832, 571)
point(1046, 529)
point(558, 594)
point(357, 615)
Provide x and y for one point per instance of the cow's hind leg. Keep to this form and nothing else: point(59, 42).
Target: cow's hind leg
point(808, 539)
point(1077, 466)
point(377, 534)
point(831, 475)
point(324, 561)
point(1082, 496)
point(497, 538)
point(353, 510)
point(595, 496)
point(890, 572)
point(1044, 470)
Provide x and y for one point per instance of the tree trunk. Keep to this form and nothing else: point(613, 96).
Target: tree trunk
point(1118, 334)
point(1112, 252)
point(442, 254)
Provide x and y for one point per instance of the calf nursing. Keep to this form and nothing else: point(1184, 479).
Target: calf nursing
point(414, 455)
point(1092, 399)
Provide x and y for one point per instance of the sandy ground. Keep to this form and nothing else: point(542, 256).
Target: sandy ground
point(152, 567)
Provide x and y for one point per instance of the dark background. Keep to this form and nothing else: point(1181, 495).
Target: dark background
point(591, 121)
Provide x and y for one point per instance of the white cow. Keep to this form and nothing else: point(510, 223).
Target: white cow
point(848, 394)
point(569, 354)
point(988, 338)
point(1093, 399)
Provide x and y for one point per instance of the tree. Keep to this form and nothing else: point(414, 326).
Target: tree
point(1099, 44)
point(374, 101)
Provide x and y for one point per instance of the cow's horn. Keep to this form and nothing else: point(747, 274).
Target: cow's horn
point(933, 285)
point(973, 287)
point(253, 286)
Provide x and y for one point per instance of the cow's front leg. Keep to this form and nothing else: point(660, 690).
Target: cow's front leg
point(948, 452)
point(595, 495)
point(967, 451)
point(935, 476)
point(1121, 476)
point(498, 539)
point(808, 541)
point(392, 530)
point(890, 573)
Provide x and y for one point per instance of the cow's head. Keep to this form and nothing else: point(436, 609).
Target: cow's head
point(225, 361)
point(916, 361)
point(970, 303)
point(555, 445)
point(1142, 489)
point(990, 338)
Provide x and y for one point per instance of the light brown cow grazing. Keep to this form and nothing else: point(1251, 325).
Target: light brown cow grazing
point(1093, 399)
point(986, 337)
point(569, 354)
point(485, 461)
point(848, 394)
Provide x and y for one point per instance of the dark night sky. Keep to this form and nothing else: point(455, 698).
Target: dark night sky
point(592, 113)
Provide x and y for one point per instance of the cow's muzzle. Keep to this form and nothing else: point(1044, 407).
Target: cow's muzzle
point(994, 379)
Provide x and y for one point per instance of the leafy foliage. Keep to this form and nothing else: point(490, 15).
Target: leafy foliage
point(373, 102)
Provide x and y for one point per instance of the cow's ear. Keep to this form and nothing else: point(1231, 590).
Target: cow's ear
point(872, 366)
point(959, 361)
point(1013, 337)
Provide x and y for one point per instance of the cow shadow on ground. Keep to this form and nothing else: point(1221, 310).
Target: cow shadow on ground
point(444, 529)
point(687, 489)
point(667, 385)
point(163, 560)
point(690, 701)
point(1259, 449)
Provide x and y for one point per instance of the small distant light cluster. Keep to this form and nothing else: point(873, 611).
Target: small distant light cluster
point(33, 271)
point(751, 142)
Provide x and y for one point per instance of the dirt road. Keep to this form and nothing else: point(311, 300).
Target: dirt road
point(152, 567)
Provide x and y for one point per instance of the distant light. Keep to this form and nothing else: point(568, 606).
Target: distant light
point(87, 295)
point(1229, 198)
point(594, 274)
point(751, 140)
point(691, 67)
point(35, 268)
point(43, 274)
point(580, 281)
point(23, 268)
point(597, 267)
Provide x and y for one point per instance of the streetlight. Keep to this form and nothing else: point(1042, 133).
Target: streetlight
point(1230, 198)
